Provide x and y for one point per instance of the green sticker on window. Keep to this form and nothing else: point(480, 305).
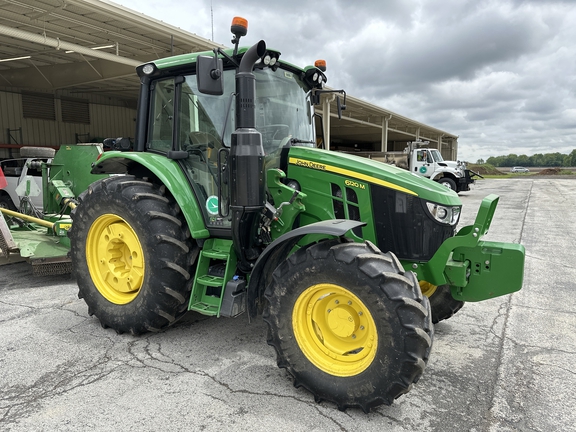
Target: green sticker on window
point(212, 205)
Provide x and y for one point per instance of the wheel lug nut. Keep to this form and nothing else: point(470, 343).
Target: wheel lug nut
point(336, 301)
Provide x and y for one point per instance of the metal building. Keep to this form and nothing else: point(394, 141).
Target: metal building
point(67, 75)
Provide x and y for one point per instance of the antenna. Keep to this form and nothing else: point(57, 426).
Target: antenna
point(212, 19)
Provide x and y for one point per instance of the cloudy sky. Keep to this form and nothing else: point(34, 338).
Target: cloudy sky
point(501, 74)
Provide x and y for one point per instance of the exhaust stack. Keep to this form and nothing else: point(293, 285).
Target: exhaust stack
point(246, 162)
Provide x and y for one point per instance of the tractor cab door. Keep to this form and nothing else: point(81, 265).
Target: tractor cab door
point(187, 126)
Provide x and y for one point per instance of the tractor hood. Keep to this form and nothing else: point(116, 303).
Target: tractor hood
point(372, 172)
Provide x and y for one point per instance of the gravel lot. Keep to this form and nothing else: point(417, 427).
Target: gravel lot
point(501, 365)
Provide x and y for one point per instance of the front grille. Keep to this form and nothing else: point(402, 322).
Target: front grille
point(404, 227)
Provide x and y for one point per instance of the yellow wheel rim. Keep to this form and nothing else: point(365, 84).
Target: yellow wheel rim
point(115, 259)
point(427, 288)
point(335, 330)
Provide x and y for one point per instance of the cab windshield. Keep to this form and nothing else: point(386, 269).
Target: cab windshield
point(436, 156)
point(282, 111)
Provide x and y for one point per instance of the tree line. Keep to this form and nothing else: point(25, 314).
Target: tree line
point(537, 160)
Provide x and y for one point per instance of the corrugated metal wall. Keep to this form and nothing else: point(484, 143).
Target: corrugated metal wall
point(107, 118)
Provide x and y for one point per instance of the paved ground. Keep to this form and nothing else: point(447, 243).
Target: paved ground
point(502, 365)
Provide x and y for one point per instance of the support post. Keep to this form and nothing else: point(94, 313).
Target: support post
point(326, 120)
point(384, 143)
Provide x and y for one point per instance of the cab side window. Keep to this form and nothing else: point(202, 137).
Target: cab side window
point(161, 122)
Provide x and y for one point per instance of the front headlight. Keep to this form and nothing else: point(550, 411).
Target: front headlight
point(443, 214)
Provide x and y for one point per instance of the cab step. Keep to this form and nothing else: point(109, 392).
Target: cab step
point(215, 282)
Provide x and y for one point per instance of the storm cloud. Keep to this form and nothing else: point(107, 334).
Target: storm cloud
point(499, 74)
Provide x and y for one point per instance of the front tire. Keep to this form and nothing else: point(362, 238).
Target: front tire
point(442, 304)
point(448, 182)
point(131, 254)
point(348, 324)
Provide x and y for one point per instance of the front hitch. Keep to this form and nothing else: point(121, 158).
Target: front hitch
point(475, 269)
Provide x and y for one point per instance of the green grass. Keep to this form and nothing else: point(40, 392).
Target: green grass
point(491, 172)
point(494, 176)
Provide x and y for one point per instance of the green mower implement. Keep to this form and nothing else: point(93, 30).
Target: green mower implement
point(40, 235)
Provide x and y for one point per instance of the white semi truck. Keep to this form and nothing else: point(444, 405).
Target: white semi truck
point(419, 159)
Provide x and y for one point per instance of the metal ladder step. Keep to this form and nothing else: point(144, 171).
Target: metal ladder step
point(207, 290)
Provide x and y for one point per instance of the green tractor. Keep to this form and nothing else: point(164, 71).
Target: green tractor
point(226, 206)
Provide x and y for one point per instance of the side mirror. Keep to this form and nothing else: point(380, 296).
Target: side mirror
point(341, 107)
point(209, 71)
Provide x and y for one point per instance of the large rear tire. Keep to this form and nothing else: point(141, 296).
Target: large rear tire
point(131, 254)
point(348, 324)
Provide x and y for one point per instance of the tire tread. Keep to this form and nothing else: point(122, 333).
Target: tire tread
point(159, 224)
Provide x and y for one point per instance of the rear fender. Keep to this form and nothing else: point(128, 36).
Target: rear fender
point(168, 173)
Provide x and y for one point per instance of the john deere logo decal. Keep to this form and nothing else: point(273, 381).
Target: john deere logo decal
point(303, 163)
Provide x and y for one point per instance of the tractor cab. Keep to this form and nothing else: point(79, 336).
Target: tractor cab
point(188, 124)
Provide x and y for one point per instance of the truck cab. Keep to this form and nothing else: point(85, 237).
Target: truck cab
point(428, 162)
